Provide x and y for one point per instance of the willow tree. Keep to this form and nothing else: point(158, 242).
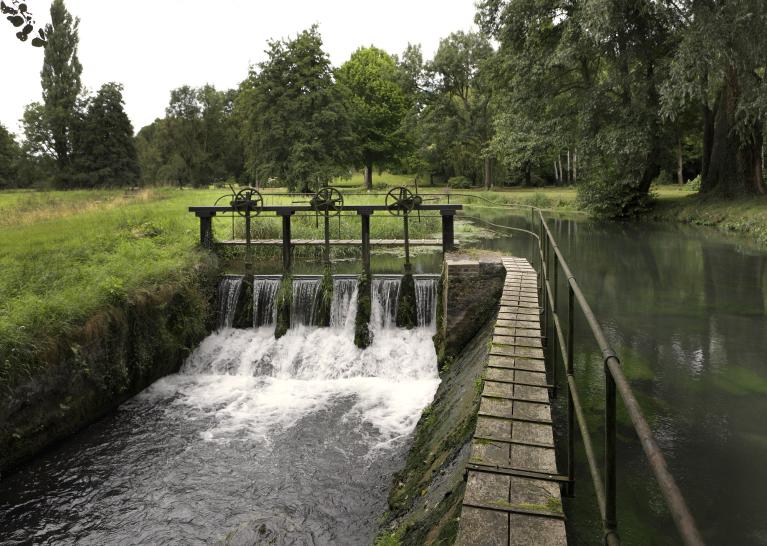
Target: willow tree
point(295, 125)
point(60, 79)
point(719, 66)
point(587, 72)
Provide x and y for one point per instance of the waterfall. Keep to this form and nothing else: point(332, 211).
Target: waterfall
point(228, 292)
point(426, 299)
point(385, 292)
point(344, 307)
point(264, 290)
point(305, 301)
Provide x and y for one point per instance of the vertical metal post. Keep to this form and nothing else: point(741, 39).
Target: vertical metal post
point(406, 218)
point(286, 244)
point(206, 229)
point(611, 518)
point(365, 219)
point(448, 242)
point(326, 250)
point(248, 248)
point(570, 369)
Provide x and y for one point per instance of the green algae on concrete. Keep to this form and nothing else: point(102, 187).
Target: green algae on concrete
point(283, 300)
point(325, 299)
point(243, 313)
point(407, 308)
point(426, 495)
point(363, 336)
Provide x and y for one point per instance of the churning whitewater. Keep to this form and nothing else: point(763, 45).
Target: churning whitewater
point(249, 384)
point(289, 441)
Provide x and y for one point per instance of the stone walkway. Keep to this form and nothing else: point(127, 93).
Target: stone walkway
point(512, 493)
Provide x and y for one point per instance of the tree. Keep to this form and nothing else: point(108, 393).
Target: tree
point(588, 72)
point(104, 149)
point(719, 66)
point(457, 120)
point(377, 107)
point(60, 78)
point(295, 123)
point(9, 157)
point(196, 143)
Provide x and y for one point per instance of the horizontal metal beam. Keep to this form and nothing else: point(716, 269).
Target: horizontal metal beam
point(282, 209)
point(335, 242)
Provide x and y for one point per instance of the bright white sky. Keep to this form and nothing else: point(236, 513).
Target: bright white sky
point(152, 47)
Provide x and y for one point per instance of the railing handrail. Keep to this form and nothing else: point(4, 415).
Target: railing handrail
point(615, 381)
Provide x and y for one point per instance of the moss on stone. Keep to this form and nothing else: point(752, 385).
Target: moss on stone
point(243, 313)
point(283, 301)
point(363, 336)
point(425, 499)
point(407, 306)
point(112, 356)
point(325, 299)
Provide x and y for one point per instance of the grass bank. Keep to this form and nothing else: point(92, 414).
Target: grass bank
point(746, 216)
point(68, 255)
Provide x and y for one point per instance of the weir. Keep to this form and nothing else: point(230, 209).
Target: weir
point(385, 289)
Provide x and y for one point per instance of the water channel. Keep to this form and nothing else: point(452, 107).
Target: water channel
point(300, 437)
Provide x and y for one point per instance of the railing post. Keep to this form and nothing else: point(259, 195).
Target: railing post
point(570, 369)
point(611, 518)
point(448, 242)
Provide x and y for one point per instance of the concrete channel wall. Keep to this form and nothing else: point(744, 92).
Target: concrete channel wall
point(477, 471)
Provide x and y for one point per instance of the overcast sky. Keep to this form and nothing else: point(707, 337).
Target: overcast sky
point(153, 47)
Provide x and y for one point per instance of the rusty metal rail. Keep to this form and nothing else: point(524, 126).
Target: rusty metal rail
point(551, 262)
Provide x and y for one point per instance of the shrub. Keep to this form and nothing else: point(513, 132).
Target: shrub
point(459, 182)
point(615, 200)
point(694, 184)
point(539, 200)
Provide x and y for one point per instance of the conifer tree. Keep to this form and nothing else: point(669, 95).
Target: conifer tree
point(60, 78)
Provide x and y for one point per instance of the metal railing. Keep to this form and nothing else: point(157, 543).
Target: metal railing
point(550, 263)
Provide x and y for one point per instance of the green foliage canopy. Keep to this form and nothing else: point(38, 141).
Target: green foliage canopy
point(295, 123)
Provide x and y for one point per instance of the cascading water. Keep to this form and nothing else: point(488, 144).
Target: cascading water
point(228, 293)
point(344, 307)
point(385, 293)
point(305, 301)
point(281, 441)
point(426, 299)
point(264, 291)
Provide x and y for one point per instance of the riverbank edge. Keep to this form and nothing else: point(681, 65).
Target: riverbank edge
point(113, 355)
point(745, 216)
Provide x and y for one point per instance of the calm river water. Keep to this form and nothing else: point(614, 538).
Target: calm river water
point(686, 310)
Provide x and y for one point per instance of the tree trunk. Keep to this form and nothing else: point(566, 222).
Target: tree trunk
point(575, 165)
point(369, 175)
point(561, 172)
point(556, 174)
point(568, 165)
point(734, 167)
point(488, 173)
point(528, 170)
point(679, 162)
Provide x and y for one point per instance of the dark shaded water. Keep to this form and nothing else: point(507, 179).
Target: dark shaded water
point(685, 310)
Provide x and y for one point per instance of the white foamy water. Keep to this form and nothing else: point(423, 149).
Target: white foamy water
point(244, 384)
